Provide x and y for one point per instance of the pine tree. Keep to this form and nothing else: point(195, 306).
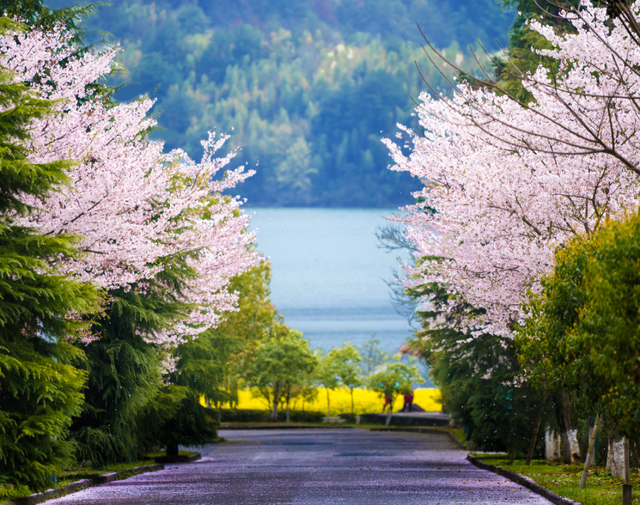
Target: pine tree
point(125, 369)
point(40, 308)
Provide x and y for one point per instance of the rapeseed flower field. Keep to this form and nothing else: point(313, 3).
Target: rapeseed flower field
point(365, 401)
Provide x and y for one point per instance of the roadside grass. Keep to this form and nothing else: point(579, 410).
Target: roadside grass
point(160, 454)
point(601, 489)
point(458, 433)
point(9, 492)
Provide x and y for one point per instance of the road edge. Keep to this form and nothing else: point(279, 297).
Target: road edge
point(530, 484)
point(79, 485)
point(456, 442)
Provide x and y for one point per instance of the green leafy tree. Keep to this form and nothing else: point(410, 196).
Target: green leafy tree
point(347, 360)
point(371, 355)
point(242, 331)
point(581, 333)
point(477, 375)
point(327, 375)
point(394, 379)
point(40, 308)
point(279, 363)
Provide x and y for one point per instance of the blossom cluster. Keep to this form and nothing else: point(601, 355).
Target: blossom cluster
point(132, 205)
point(505, 184)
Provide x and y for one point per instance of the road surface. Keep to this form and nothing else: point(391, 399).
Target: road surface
point(316, 466)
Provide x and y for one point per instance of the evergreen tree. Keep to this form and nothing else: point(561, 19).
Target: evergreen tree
point(125, 367)
point(40, 308)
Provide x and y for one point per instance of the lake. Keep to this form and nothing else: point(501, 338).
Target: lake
point(328, 275)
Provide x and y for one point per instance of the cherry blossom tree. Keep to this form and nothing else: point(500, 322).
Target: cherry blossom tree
point(506, 184)
point(132, 206)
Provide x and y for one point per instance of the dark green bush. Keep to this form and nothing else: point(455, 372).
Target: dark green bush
point(262, 416)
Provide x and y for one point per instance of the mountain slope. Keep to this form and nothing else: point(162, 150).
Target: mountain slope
point(306, 88)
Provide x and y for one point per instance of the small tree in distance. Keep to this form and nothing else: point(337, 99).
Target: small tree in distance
point(327, 374)
point(371, 355)
point(395, 379)
point(280, 362)
point(348, 363)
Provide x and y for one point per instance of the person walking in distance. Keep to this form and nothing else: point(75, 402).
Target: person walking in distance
point(408, 400)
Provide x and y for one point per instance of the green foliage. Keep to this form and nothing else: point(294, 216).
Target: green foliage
point(39, 307)
point(41, 392)
point(124, 376)
point(477, 374)
point(37, 13)
point(263, 416)
point(395, 379)
point(583, 329)
point(175, 416)
point(307, 88)
point(371, 355)
point(348, 361)
point(520, 58)
point(564, 479)
point(280, 363)
point(240, 333)
point(125, 368)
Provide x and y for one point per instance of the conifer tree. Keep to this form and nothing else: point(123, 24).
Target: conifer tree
point(40, 309)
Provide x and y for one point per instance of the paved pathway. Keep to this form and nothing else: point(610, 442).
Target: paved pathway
point(336, 466)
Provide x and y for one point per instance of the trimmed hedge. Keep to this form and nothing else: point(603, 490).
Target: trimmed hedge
point(349, 418)
point(262, 416)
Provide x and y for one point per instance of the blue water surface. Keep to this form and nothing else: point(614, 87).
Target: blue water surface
point(328, 275)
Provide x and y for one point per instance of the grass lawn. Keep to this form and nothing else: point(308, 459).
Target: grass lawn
point(161, 454)
point(9, 492)
point(564, 480)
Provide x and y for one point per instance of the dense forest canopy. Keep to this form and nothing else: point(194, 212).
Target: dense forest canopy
point(306, 87)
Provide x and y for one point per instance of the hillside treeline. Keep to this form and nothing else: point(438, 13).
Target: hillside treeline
point(305, 88)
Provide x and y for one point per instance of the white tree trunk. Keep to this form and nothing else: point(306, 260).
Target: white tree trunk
point(552, 446)
point(573, 444)
point(615, 458)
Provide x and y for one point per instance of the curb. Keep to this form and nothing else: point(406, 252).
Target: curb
point(333, 426)
point(178, 459)
point(523, 481)
point(455, 441)
point(79, 485)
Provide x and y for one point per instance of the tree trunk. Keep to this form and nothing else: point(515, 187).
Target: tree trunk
point(616, 457)
point(590, 452)
point(172, 449)
point(627, 475)
point(287, 408)
point(328, 404)
point(534, 439)
point(626, 487)
point(633, 444)
point(572, 432)
point(353, 410)
point(572, 435)
point(552, 446)
point(560, 408)
point(274, 411)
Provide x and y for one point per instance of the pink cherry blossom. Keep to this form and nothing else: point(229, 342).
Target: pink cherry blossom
point(129, 201)
point(506, 185)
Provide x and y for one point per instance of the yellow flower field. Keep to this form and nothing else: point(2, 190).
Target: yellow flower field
point(365, 401)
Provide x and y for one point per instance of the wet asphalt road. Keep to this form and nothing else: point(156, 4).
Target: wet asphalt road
point(332, 466)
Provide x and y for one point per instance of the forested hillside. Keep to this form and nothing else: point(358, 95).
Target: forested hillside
point(306, 88)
